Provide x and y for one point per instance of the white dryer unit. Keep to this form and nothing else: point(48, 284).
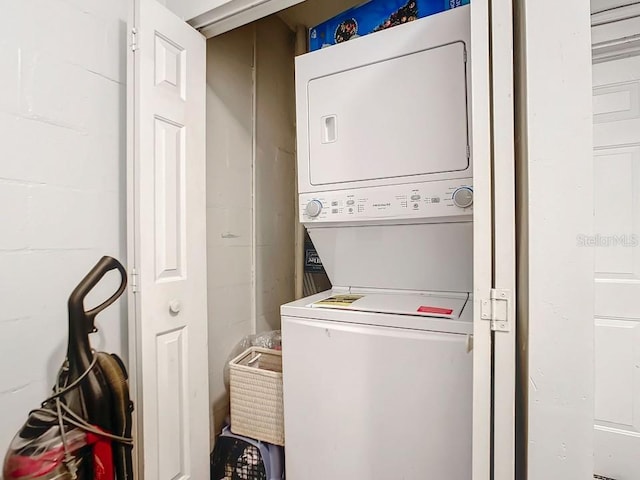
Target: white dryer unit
point(386, 109)
point(383, 139)
point(378, 384)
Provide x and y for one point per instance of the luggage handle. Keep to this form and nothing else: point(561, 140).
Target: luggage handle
point(76, 300)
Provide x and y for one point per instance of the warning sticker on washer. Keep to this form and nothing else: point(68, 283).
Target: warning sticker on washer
point(338, 301)
point(435, 310)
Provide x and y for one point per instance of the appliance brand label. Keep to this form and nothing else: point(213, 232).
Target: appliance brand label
point(312, 262)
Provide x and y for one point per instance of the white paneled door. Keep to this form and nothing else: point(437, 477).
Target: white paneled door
point(616, 104)
point(167, 255)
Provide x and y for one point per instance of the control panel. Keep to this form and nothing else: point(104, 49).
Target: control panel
point(447, 198)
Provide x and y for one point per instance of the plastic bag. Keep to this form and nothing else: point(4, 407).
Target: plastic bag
point(271, 340)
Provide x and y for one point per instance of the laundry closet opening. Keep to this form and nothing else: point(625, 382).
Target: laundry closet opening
point(368, 145)
point(252, 227)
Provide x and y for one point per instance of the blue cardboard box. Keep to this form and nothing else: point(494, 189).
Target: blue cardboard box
point(373, 16)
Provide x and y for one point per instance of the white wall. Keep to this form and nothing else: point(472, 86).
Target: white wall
point(556, 185)
point(62, 183)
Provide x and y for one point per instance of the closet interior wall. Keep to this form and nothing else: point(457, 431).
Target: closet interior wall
point(250, 189)
point(275, 194)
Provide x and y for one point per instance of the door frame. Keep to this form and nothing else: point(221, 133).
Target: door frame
point(504, 236)
point(134, 353)
point(616, 14)
point(492, 55)
point(553, 91)
point(617, 46)
point(236, 13)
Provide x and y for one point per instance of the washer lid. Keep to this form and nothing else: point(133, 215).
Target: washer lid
point(439, 305)
point(388, 309)
point(435, 257)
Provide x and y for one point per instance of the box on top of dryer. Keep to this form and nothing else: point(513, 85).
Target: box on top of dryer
point(373, 16)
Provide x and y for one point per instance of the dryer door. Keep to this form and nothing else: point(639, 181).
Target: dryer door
point(402, 117)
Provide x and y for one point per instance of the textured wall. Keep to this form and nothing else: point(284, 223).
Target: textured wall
point(275, 171)
point(62, 183)
point(250, 252)
point(229, 202)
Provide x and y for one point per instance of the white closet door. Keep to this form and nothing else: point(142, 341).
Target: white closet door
point(167, 239)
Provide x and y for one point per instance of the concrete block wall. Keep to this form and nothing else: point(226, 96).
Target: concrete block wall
point(250, 105)
point(229, 203)
point(62, 184)
point(275, 170)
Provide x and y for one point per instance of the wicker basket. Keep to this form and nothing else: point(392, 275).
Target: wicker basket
point(256, 395)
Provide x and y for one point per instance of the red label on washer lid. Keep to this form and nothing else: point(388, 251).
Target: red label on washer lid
point(435, 310)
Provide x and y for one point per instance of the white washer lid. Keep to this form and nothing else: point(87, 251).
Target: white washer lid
point(401, 317)
point(434, 257)
point(440, 305)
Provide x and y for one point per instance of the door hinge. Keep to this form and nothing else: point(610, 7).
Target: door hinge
point(134, 281)
point(134, 39)
point(497, 310)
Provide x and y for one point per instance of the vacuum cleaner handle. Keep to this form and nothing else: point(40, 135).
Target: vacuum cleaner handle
point(76, 300)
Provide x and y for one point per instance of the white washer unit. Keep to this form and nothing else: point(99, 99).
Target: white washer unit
point(378, 384)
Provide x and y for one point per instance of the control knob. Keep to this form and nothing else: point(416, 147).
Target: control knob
point(463, 197)
point(313, 208)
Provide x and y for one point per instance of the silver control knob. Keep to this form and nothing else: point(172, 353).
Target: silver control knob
point(313, 209)
point(463, 197)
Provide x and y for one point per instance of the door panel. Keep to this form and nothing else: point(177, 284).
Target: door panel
point(617, 210)
point(169, 335)
point(616, 120)
point(360, 115)
point(357, 371)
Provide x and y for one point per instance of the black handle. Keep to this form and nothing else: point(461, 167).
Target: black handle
point(77, 312)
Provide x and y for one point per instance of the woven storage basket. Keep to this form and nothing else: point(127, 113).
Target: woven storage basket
point(256, 395)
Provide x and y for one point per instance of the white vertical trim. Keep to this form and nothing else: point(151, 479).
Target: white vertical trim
point(482, 248)
point(300, 49)
point(556, 173)
point(522, 241)
point(504, 254)
point(254, 182)
point(133, 354)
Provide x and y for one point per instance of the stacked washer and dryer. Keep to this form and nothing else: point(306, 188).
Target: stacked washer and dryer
point(378, 371)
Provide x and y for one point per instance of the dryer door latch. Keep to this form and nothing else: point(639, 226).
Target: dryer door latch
point(497, 310)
